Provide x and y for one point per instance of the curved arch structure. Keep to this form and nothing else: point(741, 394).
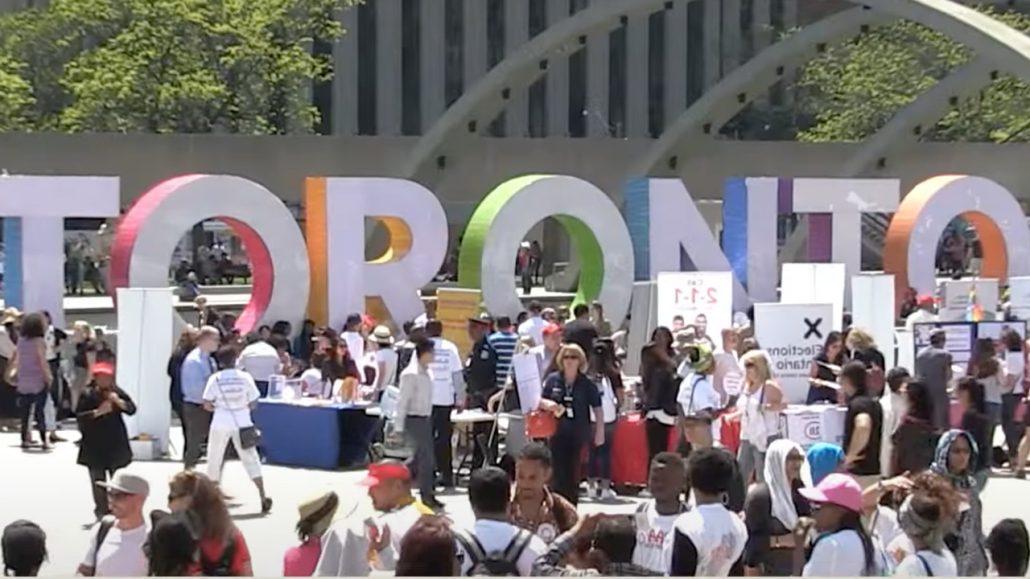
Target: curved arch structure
point(991, 40)
point(908, 124)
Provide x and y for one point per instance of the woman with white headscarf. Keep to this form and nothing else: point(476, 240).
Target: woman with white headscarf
point(772, 510)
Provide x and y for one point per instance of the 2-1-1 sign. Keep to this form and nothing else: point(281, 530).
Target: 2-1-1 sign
point(695, 295)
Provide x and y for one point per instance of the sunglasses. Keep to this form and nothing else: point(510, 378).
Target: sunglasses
point(576, 358)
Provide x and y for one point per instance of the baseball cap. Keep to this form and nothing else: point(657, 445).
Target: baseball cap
point(551, 329)
point(925, 300)
point(103, 368)
point(836, 489)
point(384, 471)
point(127, 483)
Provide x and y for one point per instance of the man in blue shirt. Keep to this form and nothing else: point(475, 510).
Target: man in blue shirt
point(198, 366)
point(504, 341)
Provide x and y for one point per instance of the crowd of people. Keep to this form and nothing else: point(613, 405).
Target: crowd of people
point(900, 495)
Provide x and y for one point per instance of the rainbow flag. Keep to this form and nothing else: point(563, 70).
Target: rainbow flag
point(974, 311)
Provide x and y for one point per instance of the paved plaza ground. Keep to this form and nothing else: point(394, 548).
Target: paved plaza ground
point(53, 491)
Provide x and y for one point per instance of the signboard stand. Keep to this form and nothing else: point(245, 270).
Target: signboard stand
point(815, 283)
point(793, 335)
point(703, 299)
point(144, 345)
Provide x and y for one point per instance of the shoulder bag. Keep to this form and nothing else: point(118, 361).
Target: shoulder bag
point(250, 436)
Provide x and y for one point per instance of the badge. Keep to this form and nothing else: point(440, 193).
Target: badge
point(547, 532)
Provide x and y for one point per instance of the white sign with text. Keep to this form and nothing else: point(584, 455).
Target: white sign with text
point(703, 299)
point(793, 335)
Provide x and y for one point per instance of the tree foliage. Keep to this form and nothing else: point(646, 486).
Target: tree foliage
point(855, 88)
point(164, 66)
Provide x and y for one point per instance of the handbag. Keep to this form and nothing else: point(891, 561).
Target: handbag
point(250, 436)
point(11, 372)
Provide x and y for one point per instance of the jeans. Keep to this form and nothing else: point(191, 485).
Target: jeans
point(751, 461)
point(1013, 430)
point(657, 438)
point(599, 464)
point(195, 428)
point(32, 404)
point(442, 431)
point(567, 456)
point(418, 432)
point(99, 475)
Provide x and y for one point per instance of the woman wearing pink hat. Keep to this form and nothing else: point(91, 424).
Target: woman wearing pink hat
point(843, 547)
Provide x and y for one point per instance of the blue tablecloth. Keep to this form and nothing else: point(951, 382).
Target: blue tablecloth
point(325, 437)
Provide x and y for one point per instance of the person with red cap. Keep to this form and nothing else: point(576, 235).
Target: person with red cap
point(389, 487)
point(925, 312)
point(104, 448)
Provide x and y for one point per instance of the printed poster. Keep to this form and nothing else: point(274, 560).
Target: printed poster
point(793, 335)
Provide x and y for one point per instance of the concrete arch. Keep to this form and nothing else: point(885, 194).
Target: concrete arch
point(990, 39)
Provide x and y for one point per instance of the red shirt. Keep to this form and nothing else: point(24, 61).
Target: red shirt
point(211, 549)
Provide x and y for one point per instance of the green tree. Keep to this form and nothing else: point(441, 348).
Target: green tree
point(174, 66)
point(855, 88)
point(15, 96)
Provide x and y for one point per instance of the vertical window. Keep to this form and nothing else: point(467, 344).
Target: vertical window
point(322, 90)
point(617, 83)
point(579, 115)
point(747, 31)
point(495, 51)
point(367, 63)
point(655, 74)
point(454, 38)
point(411, 79)
point(695, 51)
point(538, 90)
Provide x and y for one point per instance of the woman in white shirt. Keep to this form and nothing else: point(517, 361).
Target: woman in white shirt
point(230, 394)
point(608, 380)
point(759, 405)
point(843, 548)
point(386, 359)
point(926, 516)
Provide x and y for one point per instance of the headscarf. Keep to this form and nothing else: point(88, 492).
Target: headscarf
point(822, 459)
point(780, 491)
point(916, 527)
point(963, 480)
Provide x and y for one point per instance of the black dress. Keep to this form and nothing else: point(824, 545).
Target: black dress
point(105, 441)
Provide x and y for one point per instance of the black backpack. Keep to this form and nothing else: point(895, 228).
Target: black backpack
point(495, 563)
point(223, 566)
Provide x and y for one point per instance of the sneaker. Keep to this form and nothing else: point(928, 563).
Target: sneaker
point(54, 438)
point(266, 506)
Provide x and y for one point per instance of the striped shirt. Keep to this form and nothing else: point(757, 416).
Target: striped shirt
point(504, 344)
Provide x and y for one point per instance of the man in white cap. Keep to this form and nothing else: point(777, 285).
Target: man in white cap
point(116, 542)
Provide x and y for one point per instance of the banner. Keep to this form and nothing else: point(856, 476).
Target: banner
point(454, 307)
point(959, 339)
point(793, 335)
point(955, 298)
point(869, 293)
point(815, 283)
point(703, 299)
point(1019, 297)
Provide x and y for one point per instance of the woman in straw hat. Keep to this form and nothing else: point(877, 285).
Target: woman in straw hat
point(316, 514)
point(385, 357)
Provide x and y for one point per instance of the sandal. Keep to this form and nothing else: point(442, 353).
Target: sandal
point(266, 506)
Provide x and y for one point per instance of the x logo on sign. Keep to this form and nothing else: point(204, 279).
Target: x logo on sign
point(813, 328)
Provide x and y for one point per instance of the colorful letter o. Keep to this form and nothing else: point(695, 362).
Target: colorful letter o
point(506, 215)
point(910, 251)
point(149, 232)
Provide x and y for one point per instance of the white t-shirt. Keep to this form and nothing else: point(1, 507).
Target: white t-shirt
point(534, 329)
point(355, 344)
point(260, 360)
point(718, 536)
point(1015, 364)
point(608, 402)
point(942, 565)
point(231, 391)
point(446, 361)
point(838, 555)
point(120, 555)
point(399, 522)
point(885, 525)
point(703, 392)
point(388, 357)
point(654, 539)
point(496, 536)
